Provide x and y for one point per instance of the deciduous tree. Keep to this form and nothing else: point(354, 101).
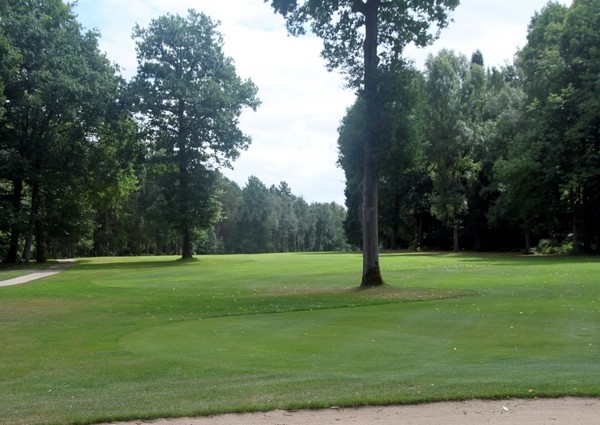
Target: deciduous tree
point(358, 36)
point(452, 128)
point(59, 89)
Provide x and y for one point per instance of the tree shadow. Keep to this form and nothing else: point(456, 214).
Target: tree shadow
point(500, 259)
point(122, 263)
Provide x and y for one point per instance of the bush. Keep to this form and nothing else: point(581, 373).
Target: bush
point(551, 247)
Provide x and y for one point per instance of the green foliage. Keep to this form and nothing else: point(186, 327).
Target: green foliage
point(60, 92)
point(551, 169)
point(509, 151)
point(339, 24)
point(454, 90)
point(148, 337)
point(258, 219)
point(502, 157)
point(549, 247)
point(400, 156)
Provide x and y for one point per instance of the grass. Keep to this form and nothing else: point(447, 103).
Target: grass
point(10, 274)
point(9, 271)
point(125, 338)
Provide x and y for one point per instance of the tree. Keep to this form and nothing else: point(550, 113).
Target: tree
point(59, 89)
point(350, 138)
point(113, 179)
point(190, 98)
point(534, 169)
point(490, 224)
point(559, 149)
point(579, 43)
point(401, 165)
point(230, 198)
point(257, 218)
point(389, 25)
point(452, 89)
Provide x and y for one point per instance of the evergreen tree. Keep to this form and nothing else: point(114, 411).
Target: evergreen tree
point(191, 98)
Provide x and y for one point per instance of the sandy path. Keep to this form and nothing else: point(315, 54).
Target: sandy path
point(565, 411)
point(35, 275)
point(28, 278)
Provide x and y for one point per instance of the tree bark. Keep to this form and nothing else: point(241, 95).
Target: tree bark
point(371, 275)
point(186, 231)
point(40, 243)
point(576, 242)
point(17, 195)
point(35, 205)
point(455, 238)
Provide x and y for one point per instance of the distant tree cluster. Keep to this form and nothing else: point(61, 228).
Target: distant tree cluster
point(489, 159)
point(257, 219)
point(459, 156)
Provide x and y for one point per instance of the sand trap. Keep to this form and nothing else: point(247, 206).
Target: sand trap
point(473, 412)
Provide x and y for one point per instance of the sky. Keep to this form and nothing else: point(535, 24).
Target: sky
point(294, 131)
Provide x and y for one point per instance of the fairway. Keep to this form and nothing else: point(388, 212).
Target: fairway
point(126, 338)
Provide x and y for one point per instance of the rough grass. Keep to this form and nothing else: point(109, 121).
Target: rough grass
point(149, 337)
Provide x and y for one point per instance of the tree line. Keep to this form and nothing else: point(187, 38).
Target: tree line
point(460, 156)
point(489, 158)
point(92, 164)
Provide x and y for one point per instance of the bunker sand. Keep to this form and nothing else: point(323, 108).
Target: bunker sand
point(473, 412)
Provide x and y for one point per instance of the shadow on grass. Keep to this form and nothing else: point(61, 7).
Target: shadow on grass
point(501, 259)
point(530, 260)
point(32, 265)
point(116, 263)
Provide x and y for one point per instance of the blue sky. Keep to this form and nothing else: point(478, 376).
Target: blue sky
point(294, 132)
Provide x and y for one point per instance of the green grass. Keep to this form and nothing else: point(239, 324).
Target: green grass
point(155, 337)
point(9, 271)
point(10, 274)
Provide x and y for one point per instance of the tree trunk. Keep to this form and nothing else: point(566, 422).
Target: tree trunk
point(186, 231)
point(40, 243)
point(35, 206)
point(576, 243)
point(15, 231)
point(371, 275)
point(186, 245)
point(456, 228)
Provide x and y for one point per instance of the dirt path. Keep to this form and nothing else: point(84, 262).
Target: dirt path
point(35, 275)
point(564, 411)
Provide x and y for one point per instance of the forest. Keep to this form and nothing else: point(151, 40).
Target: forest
point(470, 157)
point(490, 159)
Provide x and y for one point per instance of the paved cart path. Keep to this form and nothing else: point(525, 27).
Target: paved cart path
point(35, 275)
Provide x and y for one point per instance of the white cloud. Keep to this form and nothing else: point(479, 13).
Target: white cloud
point(497, 28)
point(295, 130)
